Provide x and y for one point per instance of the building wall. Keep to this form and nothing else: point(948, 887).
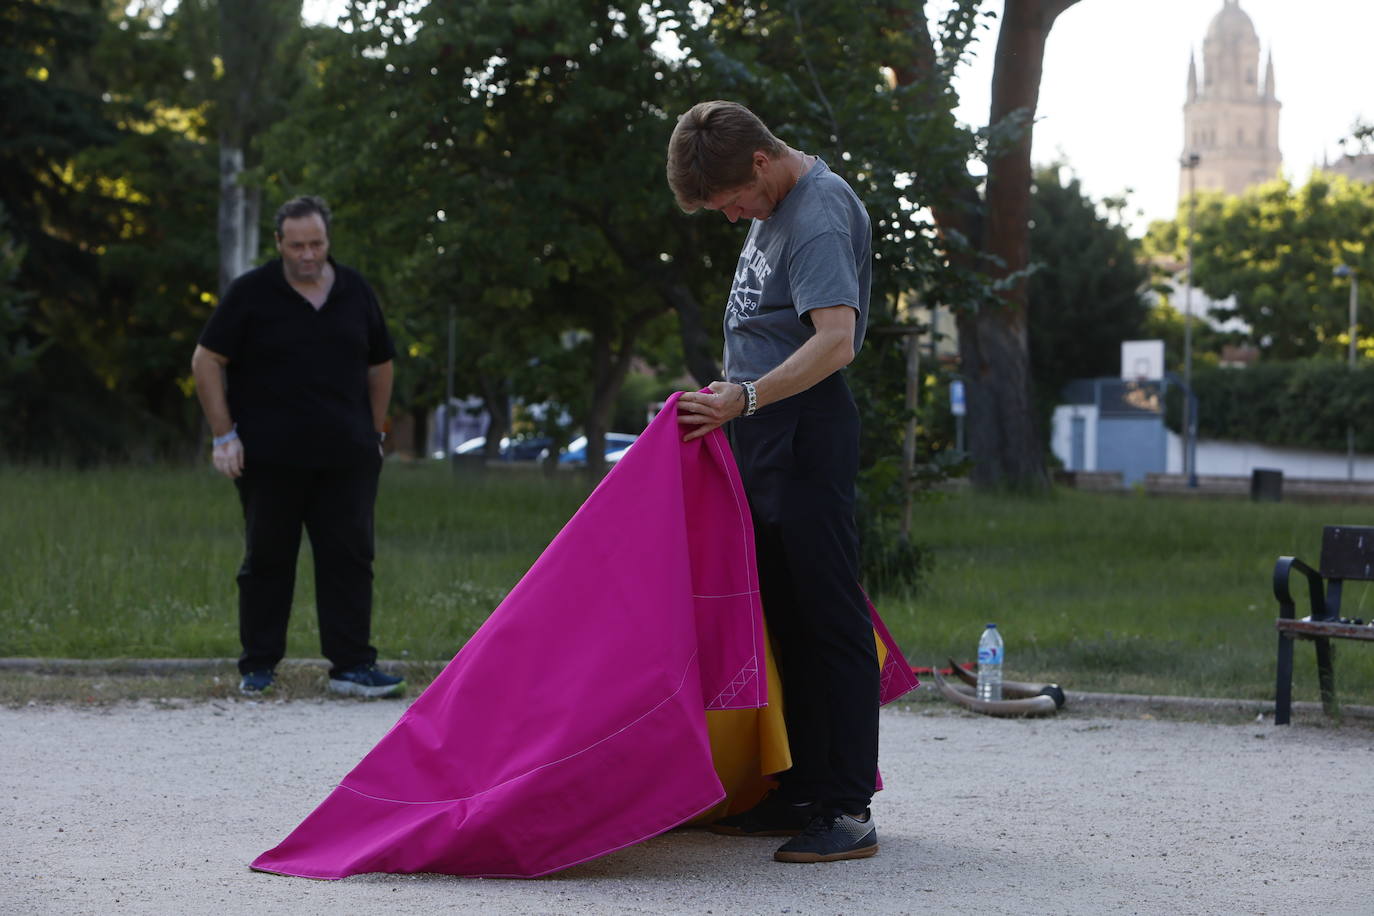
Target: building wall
point(1236, 142)
point(1140, 446)
point(1238, 459)
point(1075, 456)
point(1357, 168)
point(1135, 446)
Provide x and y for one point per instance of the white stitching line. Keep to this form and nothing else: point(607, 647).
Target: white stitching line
point(755, 611)
point(749, 672)
point(542, 766)
point(596, 855)
point(735, 595)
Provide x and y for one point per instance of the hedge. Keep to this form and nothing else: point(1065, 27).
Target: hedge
point(1305, 404)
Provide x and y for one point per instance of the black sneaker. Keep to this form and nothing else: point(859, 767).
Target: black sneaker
point(257, 683)
point(774, 816)
point(367, 681)
point(830, 837)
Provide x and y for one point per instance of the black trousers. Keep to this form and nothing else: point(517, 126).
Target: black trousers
point(799, 460)
point(335, 507)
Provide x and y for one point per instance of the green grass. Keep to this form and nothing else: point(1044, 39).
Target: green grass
point(141, 563)
point(1097, 592)
point(1124, 593)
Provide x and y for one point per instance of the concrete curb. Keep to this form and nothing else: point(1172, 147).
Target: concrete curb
point(162, 667)
point(1208, 704)
point(148, 666)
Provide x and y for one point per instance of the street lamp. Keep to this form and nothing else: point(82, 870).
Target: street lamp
point(1189, 162)
point(1345, 270)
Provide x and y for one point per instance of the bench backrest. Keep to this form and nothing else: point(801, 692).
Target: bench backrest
point(1348, 552)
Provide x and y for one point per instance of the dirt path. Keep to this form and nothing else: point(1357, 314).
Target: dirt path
point(157, 808)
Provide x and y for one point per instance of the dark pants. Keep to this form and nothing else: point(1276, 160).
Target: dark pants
point(335, 507)
point(798, 460)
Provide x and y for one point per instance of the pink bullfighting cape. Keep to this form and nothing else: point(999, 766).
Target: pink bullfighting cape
point(573, 723)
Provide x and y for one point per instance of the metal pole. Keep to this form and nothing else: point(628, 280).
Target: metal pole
point(1189, 455)
point(1345, 270)
point(1354, 307)
point(913, 376)
point(1350, 426)
point(448, 389)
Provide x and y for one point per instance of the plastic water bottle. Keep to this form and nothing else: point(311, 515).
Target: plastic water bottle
point(990, 655)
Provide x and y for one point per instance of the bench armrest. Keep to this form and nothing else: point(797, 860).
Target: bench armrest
point(1283, 570)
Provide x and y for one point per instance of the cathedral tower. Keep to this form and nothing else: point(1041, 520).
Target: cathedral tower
point(1231, 119)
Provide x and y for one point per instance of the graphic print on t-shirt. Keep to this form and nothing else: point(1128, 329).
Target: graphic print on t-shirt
point(752, 270)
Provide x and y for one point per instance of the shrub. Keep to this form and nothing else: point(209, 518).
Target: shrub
point(1305, 404)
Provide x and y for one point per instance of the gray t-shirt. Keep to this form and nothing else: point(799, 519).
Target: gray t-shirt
point(815, 251)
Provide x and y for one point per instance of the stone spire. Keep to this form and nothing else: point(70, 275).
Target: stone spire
point(1231, 116)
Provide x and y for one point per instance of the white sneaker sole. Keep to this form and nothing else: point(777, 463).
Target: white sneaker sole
point(349, 688)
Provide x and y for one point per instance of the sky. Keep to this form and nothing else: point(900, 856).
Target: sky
point(1116, 76)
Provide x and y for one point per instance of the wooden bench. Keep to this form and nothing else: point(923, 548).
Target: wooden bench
point(1347, 553)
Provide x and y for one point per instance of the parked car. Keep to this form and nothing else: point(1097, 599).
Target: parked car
point(575, 455)
point(528, 448)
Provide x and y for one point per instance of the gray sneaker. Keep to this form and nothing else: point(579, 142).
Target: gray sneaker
point(367, 681)
point(831, 837)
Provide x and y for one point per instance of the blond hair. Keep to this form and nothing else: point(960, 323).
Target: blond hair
point(712, 150)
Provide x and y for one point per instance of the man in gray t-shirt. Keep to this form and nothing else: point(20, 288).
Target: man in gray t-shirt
point(796, 316)
point(813, 252)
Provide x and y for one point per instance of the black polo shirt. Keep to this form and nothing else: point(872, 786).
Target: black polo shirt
point(297, 375)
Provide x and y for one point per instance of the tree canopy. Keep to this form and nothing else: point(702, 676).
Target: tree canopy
point(1085, 291)
point(1276, 248)
point(498, 162)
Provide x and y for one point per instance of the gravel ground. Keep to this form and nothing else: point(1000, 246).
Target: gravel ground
point(158, 807)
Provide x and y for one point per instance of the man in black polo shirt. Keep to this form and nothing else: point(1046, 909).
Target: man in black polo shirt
point(306, 356)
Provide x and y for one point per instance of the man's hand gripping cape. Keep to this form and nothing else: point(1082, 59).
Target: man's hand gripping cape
point(575, 721)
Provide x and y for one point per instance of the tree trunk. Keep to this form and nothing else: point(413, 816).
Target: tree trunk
point(496, 396)
point(696, 343)
point(611, 369)
point(419, 433)
point(993, 345)
point(230, 214)
point(252, 226)
point(249, 39)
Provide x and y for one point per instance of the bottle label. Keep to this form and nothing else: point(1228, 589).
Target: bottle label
point(989, 655)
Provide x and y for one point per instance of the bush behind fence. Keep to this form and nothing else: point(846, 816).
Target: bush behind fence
point(1306, 404)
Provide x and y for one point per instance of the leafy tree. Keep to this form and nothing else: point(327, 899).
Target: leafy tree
point(237, 64)
point(1361, 137)
point(821, 75)
point(1084, 295)
point(110, 186)
point(1275, 248)
point(986, 230)
point(18, 354)
point(51, 112)
point(513, 165)
point(259, 44)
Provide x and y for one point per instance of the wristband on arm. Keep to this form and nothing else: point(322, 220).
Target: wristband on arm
point(752, 402)
point(227, 437)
